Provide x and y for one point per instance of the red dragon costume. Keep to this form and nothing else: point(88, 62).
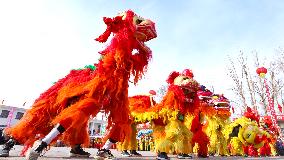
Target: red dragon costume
point(83, 93)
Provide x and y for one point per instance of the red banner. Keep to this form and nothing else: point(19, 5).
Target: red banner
point(270, 107)
point(280, 117)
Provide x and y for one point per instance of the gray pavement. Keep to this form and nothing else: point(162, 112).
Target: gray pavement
point(62, 153)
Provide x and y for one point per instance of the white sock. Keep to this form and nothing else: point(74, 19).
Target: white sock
point(108, 145)
point(51, 135)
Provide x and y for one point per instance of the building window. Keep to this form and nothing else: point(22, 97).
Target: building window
point(19, 115)
point(99, 129)
point(4, 114)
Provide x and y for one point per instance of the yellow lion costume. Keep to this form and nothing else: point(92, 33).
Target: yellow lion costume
point(217, 118)
point(244, 137)
point(168, 117)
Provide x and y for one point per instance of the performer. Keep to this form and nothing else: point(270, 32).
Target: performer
point(199, 136)
point(130, 144)
point(138, 102)
point(217, 114)
point(105, 89)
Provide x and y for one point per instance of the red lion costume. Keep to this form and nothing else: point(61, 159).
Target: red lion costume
point(83, 93)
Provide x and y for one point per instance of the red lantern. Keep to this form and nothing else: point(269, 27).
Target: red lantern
point(152, 92)
point(261, 71)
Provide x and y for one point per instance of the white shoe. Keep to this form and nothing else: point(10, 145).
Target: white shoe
point(125, 154)
point(34, 152)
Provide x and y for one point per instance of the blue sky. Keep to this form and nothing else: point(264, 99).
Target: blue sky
point(42, 40)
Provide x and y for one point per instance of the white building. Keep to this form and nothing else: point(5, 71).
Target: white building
point(97, 125)
point(10, 115)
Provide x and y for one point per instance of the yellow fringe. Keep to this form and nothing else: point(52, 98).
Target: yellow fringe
point(236, 147)
point(130, 142)
point(174, 137)
point(215, 130)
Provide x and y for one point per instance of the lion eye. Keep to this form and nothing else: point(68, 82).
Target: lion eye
point(138, 21)
point(248, 135)
point(185, 78)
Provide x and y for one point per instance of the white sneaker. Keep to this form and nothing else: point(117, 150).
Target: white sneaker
point(34, 152)
point(104, 154)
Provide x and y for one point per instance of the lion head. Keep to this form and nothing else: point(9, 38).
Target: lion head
point(184, 80)
point(251, 134)
point(130, 27)
point(247, 131)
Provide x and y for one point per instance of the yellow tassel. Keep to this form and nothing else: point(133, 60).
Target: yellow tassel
point(236, 147)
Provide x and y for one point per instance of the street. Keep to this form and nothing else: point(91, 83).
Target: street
point(60, 153)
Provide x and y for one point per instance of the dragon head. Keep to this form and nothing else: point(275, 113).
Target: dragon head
point(128, 25)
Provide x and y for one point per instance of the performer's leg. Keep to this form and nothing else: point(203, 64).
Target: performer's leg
point(182, 140)
point(117, 132)
point(105, 151)
point(124, 146)
point(5, 149)
point(130, 143)
point(70, 119)
point(77, 151)
point(164, 143)
point(133, 141)
point(78, 139)
point(24, 132)
point(40, 145)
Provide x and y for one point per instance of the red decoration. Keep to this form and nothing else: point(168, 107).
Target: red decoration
point(187, 72)
point(280, 108)
point(172, 77)
point(270, 107)
point(252, 114)
point(261, 71)
point(152, 92)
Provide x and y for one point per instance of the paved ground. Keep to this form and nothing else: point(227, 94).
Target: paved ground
point(62, 153)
